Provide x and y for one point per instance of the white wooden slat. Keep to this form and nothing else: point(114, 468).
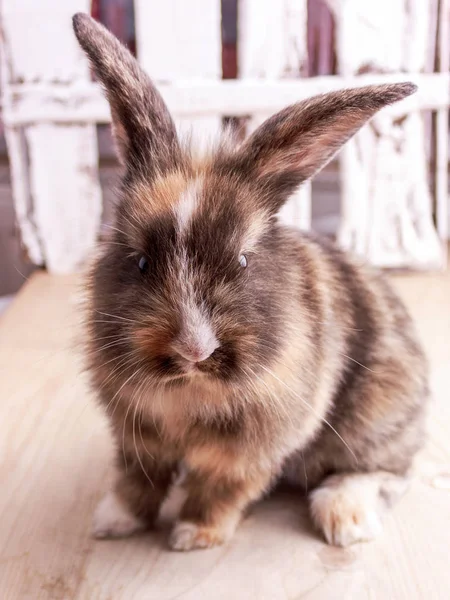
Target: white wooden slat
point(386, 200)
point(429, 65)
point(54, 166)
point(417, 24)
point(39, 42)
point(179, 40)
point(442, 132)
point(67, 207)
point(84, 102)
point(359, 23)
point(433, 18)
point(272, 38)
point(272, 46)
point(401, 230)
point(18, 165)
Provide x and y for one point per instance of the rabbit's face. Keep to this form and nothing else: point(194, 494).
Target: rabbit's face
point(189, 285)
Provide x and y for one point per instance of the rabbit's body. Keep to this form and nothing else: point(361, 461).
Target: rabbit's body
point(345, 394)
point(225, 342)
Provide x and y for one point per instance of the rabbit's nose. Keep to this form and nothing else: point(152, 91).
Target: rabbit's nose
point(196, 339)
point(195, 346)
point(195, 354)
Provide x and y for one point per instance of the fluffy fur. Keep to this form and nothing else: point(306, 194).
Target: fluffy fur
point(224, 341)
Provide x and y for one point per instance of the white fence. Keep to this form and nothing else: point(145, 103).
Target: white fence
point(389, 211)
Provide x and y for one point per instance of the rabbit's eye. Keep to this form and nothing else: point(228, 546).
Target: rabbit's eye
point(143, 264)
point(243, 261)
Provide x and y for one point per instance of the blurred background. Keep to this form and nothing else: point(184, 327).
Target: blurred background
point(222, 62)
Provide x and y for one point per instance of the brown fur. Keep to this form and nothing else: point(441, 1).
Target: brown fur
point(318, 370)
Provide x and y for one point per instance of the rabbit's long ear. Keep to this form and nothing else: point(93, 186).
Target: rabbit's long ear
point(144, 130)
point(297, 142)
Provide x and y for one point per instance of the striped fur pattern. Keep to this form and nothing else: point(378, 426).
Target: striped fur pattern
point(224, 342)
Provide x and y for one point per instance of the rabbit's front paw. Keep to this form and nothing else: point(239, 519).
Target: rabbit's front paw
point(347, 510)
point(112, 519)
point(189, 536)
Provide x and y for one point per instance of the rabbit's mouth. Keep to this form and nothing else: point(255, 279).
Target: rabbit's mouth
point(179, 371)
point(176, 370)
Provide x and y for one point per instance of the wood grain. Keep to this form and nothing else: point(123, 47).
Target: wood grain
point(55, 464)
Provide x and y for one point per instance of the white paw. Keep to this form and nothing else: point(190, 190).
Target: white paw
point(182, 536)
point(347, 512)
point(188, 536)
point(113, 519)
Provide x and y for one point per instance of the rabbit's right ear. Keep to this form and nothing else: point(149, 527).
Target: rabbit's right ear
point(293, 145)
point(142, 125)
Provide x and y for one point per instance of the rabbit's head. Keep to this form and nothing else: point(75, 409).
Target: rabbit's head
point(198, 278)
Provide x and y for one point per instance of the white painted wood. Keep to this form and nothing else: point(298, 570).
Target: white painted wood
point(53, 166)
point(50, 108)
point(442, 132)
point(83, 102)
point(401, 231)
point(433, 19)
point(18, 164)
point(67, 208)
point(387, 204)
point(272, 46)
point(271, 38)
point(391, 218)
point(179, 40)
point(431, 50)
point(39, 43)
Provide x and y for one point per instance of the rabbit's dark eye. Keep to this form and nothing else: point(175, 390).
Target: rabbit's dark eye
point(143, 264)
point(243, 261)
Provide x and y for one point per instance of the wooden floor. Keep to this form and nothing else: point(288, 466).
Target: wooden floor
point(55, 464)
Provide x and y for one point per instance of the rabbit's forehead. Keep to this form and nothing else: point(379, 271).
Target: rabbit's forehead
point(202, 202)
point(188, 203)
point(213, 204)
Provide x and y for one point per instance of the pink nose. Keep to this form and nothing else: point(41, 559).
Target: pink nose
point(196, 341)
point(194, 354)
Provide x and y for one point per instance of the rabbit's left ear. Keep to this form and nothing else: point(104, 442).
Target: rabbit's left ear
point(293, 145)
point(144, 130)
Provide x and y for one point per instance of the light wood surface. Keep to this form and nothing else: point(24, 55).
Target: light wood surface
point(55, 464)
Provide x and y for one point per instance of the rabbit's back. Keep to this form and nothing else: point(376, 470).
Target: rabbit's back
point(368, 349)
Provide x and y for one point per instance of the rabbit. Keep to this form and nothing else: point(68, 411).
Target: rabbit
point(233, 350)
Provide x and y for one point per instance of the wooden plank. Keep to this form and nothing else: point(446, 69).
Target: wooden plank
point(442, 130)
point(169, 49)
point(54, 166)
point(387, 202)
point(29, 233)
point(51, 53)
point(271, 39)
point(66, 191)
point(56, 454)
point(179, 40)
point(84, 102)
